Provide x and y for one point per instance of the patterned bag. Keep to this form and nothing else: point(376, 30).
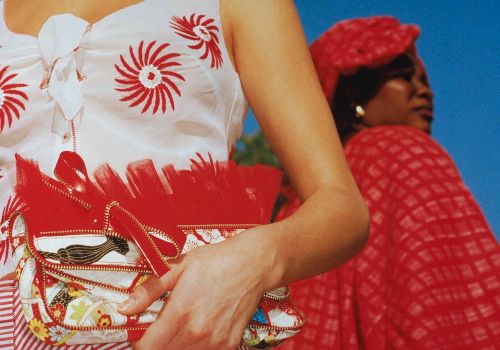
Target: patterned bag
point(80, 251)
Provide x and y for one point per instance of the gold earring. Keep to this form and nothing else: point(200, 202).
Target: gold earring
point(360, 111)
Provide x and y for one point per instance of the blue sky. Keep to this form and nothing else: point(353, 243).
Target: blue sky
point(460, 45)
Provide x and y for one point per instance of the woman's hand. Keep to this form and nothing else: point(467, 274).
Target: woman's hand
point(215, 292)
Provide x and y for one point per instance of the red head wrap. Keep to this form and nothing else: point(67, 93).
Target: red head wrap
point(361, 42)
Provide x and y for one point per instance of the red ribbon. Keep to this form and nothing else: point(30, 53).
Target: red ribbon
point(71, 171)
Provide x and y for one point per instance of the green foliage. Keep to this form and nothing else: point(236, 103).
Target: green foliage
point(254, 148)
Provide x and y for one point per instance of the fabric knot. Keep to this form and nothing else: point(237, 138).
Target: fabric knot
point(58, 41)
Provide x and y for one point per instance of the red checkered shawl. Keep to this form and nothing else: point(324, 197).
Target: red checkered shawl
point(429, 277)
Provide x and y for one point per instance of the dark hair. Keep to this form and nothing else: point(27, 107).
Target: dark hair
point(361, 87)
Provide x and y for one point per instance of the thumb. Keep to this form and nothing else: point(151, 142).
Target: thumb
point(147, 293)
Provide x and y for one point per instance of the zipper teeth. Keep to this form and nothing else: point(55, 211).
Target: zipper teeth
point(78, 200)
point(182, 226)
point(10, 223)
point(81, 231)
point(268, 295)
point(83, 328)
point(148, 237)
point(145, 326)
point(54, 266)
point(206, 226)
point(73, 133)
point(281, 328)
point(215, 226)
point(63, 275)
point(148, 228)
point(107, 214)
point(84, 281)
point(277, 328)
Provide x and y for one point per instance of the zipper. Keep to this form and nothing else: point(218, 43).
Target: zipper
point(66, 194)
point(145, 326)
point(216, 226)
point(87, 206)
point(269, 295)
point(62, 275)
point(55, 266)
point(278, 328)
point(83, 328)
point(147, 235)
point(132, 328)
point(73, 134)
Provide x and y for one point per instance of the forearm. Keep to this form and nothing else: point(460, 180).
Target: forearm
point(328, 229)
point(282, 88)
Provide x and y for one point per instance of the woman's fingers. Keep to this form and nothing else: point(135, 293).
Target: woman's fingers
point(162, 332)
point(179, 328)
point(214, 295)
point(147, 293)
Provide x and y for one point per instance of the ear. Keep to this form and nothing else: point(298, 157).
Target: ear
point(359, 111)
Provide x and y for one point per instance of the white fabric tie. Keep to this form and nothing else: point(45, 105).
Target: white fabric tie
point(58, 40)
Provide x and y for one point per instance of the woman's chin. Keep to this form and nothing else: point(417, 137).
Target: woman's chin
point(423, 123)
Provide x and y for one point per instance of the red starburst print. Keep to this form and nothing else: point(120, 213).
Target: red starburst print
point(149, 79)
point(11, 98)
point(13, 204)
point(203, 32)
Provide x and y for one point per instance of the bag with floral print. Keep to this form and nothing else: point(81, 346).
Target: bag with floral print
point(81, 246)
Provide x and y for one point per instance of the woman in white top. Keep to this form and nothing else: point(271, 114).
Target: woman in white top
point(120, 81)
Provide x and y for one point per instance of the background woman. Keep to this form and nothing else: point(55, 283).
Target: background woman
point(428, 277)
point(120, 81)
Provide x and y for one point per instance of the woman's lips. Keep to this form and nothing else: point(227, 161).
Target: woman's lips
point(424, 108)
point(426, 112)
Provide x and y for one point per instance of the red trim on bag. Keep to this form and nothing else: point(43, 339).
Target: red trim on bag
point(134, 335)
point(54, 320)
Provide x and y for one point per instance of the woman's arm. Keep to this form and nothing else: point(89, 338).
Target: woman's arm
point(215, 289)
point(279, 79)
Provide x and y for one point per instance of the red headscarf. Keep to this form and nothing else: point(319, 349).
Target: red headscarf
point(361, 42)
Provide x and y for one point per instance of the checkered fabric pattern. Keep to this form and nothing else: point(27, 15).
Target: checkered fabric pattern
point(429, 277)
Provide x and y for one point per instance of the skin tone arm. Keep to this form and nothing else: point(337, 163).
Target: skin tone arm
point(215, 289)
point(281, 85)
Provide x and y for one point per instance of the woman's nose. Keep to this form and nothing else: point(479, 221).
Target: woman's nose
point(424, 90)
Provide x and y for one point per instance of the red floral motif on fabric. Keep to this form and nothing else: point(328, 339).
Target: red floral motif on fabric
point(147, 77)
point(204, 34)
point(11, 98)
point(104, 321)
point(59, 311)
point(13, 204)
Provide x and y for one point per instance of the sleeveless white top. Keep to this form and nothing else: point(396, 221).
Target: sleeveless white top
point(152, 80)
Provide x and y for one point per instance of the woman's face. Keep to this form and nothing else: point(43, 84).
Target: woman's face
point(405, 99)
